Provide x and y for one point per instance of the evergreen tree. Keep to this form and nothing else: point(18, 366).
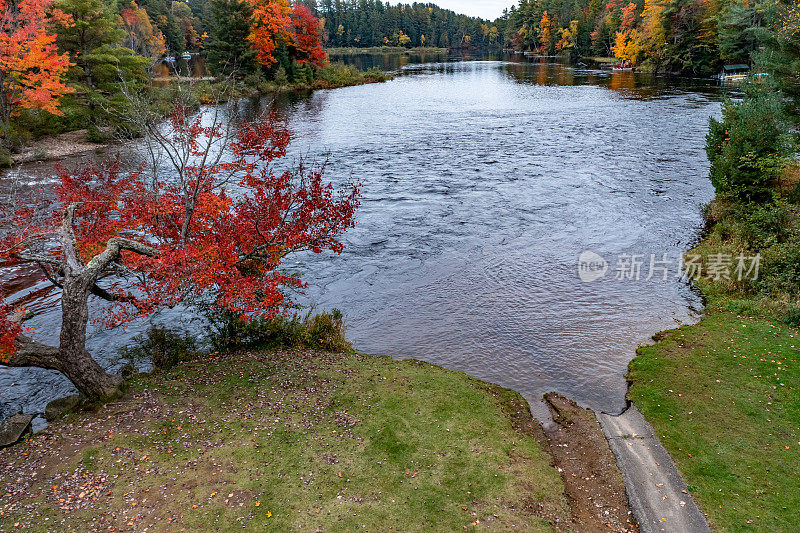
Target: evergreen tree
point(228, 50)
point(94, 42)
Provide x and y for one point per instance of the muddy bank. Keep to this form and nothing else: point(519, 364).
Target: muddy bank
point(592, 480)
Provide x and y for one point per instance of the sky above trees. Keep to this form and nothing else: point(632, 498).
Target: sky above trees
point(486, 9)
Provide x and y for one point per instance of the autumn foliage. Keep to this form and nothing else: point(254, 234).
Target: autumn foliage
point(271, 25)
point(9, 331)
point(217, 229)
point(307, 37)
point(275, 23)
point(31, 69)
point(141, 36)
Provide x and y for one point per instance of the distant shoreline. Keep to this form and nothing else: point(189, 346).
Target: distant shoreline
point(77, 142)
point(352, 51)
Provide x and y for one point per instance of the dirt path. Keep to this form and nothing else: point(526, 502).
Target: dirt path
point(593, 483)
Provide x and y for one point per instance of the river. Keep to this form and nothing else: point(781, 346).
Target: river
point(483, 182)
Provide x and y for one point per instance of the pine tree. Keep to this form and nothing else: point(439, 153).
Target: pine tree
point(229, 50)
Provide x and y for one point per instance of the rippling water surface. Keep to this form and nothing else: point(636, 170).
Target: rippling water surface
point(483, 181)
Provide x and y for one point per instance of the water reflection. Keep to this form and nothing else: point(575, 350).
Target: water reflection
point(194, 67)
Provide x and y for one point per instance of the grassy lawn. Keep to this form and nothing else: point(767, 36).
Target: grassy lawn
point(724, 398)
point(279, 441)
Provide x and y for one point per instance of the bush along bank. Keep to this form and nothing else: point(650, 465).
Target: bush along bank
point(724, 394)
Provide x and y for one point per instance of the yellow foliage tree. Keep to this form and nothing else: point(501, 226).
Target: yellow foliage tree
point(545, 32)
point(568, 36)
point(652, 36)
point(627, 47)
point(402, 38)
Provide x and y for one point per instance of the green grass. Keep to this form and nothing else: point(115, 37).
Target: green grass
point(337, 74)
point(278, 441)
point(724, 398)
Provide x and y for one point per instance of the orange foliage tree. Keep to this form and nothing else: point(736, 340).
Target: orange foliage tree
point(627, 42)
point(31, 69)
point(271, 23)
point(142, 37)
point(545, 32)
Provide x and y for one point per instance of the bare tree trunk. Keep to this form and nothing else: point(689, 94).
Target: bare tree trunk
point(71, 357)
point(76, 363)
point(79, 281)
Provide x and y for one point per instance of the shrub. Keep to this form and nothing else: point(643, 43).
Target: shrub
point(780, 270)
point(338, 74)
point(324, 331)
point(749, 148)
point(5, 157)
point(93, 134)
point(161, 347)
point(762, 226)
point(792, 317)
point(794, 196)
point(230, 332)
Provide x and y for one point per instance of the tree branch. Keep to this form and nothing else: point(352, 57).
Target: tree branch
point(32, 353)
point(50, 277)
point(113, 248)
point(100, 292)
point(37, 258)
point(68, 241)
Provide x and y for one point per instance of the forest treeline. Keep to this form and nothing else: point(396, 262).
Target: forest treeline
point(686, 36)
point(367, 23)
point(77, 64)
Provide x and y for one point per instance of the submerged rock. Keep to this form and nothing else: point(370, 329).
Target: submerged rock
point(57, 408)
point(13, 428)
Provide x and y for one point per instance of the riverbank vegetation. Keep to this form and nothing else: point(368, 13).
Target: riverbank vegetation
point(280, 440)
point(673, 36)
point(722, 394)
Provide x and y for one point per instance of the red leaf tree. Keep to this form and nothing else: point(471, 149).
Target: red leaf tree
point(217, 226)
point(275, 23)
point(307, 40)
point(31, 69)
